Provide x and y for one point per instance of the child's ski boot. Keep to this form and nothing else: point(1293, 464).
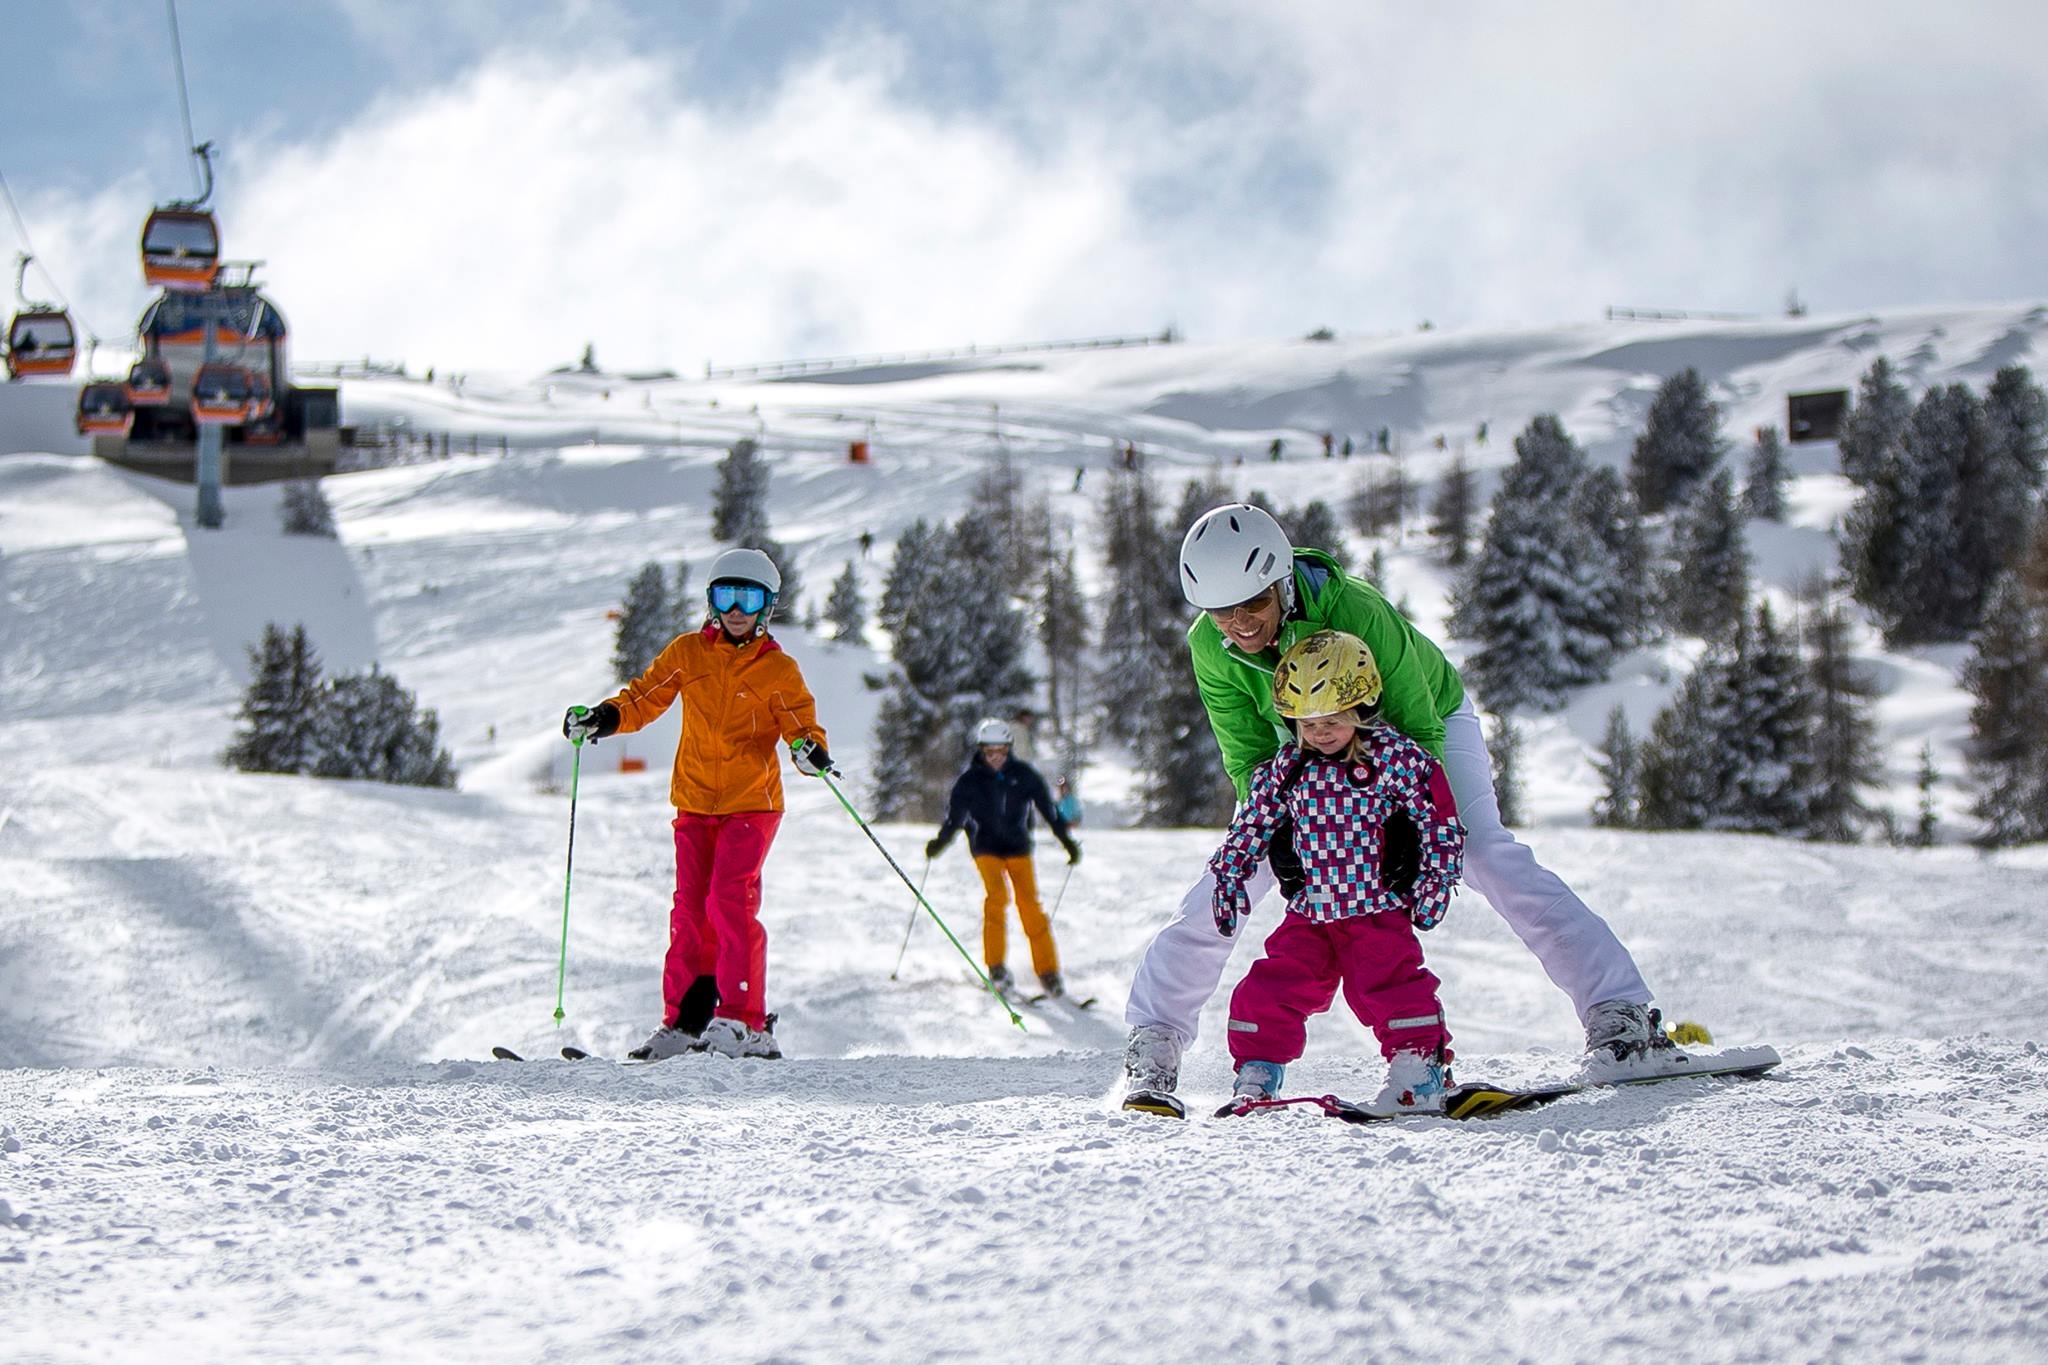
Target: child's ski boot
point(1256, 1082)
point(1416, 1082)
point(1152, 1064)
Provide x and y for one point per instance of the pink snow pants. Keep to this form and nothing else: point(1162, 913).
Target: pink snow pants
point(1379, 963)
point(715, 926)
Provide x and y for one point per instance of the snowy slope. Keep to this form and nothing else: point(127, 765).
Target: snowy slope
point(247, 1115)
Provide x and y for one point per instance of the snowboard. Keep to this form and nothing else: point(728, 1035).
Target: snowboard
point(1479, 1100)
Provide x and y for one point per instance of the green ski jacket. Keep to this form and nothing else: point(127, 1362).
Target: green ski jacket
point(1419, 688)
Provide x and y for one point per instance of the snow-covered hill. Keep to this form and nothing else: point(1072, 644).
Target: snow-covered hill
point(248, 1113)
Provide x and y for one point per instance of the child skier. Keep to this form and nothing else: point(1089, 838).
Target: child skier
point(1381, 847)
point(993, 799)
point(740, 692)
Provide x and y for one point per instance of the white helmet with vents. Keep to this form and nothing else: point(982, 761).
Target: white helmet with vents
point(993, 731)
point(1231, 555)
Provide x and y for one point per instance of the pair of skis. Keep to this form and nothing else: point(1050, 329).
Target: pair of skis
point(569, 1054)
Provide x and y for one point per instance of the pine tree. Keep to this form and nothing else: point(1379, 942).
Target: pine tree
point(911, 567)
point(1063, 621)
point(686, 613)
point(280, 707)
point(646, 624)
point(1763, 489)
point(1845, 735)
point(1707, 587)
point(370, 728)
point(1776, 784)
point(1382, 499)
point(1620, 771)
point(1998, 478)
point(305, 511)
point(1314, 525)
point(1686, 767)
point(1876, 424)
point(1680, 446)
point(1537, 600)
point(1927, 822)
point(1020, 523)
point(1620, 598)
point(2007, 677)
point(1183, 783)
point(739, 504)
point(844, 608)
point(1451, 512)
point(1136, 559)
point(1505, 748)
point(1899, 541)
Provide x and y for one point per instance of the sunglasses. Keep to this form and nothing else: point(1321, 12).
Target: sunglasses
point(1247, 611)
point(750, 598)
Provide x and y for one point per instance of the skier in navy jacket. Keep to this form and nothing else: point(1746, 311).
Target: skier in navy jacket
point(993, 799)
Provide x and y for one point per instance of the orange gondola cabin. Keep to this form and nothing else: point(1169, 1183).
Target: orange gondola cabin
point(41, 341)
point(104, 409)
point(181, 249)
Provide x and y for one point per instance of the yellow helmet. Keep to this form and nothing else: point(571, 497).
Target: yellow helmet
point(1325, 674)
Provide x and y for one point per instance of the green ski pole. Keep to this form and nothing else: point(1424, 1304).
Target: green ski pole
point(913, 920)
point(562, 971)
point(987, 984)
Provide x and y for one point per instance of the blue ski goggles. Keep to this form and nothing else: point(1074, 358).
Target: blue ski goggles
point(750, 598)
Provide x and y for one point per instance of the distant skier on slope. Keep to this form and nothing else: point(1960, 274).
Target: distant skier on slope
point(993, 799)
point(1259, 596)
point(1380, 848)
point(739, 692)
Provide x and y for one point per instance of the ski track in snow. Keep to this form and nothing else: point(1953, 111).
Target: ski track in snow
point(245, 1115)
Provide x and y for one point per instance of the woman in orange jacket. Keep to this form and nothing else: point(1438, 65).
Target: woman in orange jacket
point(740, 693)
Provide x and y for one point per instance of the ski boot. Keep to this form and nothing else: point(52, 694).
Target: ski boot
point(686, 1033)
point(1416, 1082)
point(1626, 1041)
point(731, 1038)
point(999, 977)
point(666, 1042)
point(1255, 1081)
point(1051, 985)
point(1152, 1064)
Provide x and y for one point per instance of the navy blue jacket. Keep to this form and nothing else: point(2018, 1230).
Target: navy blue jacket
point(995, 808)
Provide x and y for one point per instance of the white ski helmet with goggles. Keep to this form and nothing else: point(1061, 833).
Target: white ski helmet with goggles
point(1232, 554)
point(993, 731)
point(746, 567)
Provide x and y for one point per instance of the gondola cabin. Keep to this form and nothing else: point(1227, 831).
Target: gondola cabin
point(149, 383)
point(180, 249)
point(104, 410)
point(221, 395)
point(41, 341)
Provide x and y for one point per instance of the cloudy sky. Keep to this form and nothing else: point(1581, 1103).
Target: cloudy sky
point(492, 183)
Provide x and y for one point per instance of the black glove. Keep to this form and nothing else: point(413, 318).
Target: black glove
point(811, 759)
point(1287, 868)
point(590, 722)
point(935, 847)
point(1073, 851)
point(1400, 855)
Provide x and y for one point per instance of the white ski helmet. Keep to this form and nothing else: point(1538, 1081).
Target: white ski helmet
point(1231, 555)
point(746, 566)
point(993, 731)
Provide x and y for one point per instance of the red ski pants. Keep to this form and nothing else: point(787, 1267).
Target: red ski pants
point(1378, 962)
point(715, 926)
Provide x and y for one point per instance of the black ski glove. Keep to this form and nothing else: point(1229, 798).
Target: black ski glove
point(811, 759)
point(1287, 868)
point(1400, 855)
point(590, 722)
point(936, 846)
point(1073, 847)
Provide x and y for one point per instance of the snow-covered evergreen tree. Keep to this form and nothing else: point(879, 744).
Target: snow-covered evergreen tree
point(1687, 767)
point(369, 727)
point(1504, 747)
point(1137, 559)
point(1776, 783)
point(1763, 486)
point(686, 613)
point(1383, 497)
point(1620, 597)
point(1064, 637)
point(1680, 446)
point(1998, 480)
point(1900, 539)
point(2007, 678)
point(1706, 590)
point(1871, 432)
point(915, 561)
point(1845, 733)
point(1620, 769)
point(1926, 822)
point(646, 624)
point(844, 609)
point(1182, 781)
point(1452, 510)
point(1536, 602)
point(280, 707)
point(739, 503)
point(1314, 525)
point(1019, 522)
point(304, 509)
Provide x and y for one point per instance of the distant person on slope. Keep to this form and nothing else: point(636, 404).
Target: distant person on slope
point(1259, 596)
point(740, 692)
point(993, 799)
point(1380, 847)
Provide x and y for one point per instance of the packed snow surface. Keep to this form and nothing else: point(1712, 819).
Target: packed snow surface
point(250, 1111)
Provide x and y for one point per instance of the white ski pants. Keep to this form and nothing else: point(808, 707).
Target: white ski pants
point(1580, 954)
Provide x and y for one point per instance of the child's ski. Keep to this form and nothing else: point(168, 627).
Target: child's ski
point(1478, 1100)
point(1161, 1102)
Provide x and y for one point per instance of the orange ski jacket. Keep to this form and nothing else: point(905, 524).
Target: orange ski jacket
point(737, 701)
